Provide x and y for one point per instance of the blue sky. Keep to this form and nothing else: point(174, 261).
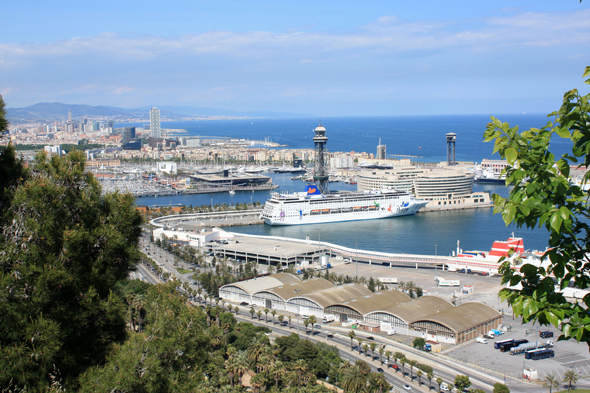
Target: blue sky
point(327, 58)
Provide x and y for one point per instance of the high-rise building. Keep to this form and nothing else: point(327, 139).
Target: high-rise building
point(155, 130)
point(381, 149)
point(127, 134)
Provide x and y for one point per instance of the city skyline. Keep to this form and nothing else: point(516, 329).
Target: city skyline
point(330, 59)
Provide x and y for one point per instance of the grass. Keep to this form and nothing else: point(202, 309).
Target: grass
point(183, 271)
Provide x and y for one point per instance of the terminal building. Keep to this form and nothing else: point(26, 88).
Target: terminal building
point(443, 188)
point(430, 317)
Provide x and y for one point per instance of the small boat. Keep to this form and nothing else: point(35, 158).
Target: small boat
point(232, 192)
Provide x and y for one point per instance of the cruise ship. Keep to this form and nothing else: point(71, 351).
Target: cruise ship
point(312, 207)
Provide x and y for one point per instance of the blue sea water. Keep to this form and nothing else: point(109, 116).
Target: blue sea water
point(423, 136)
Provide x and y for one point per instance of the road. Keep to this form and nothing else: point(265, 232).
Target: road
point(447, 369)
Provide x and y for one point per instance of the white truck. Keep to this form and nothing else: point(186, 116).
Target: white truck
point(481, 340)
point(388, 280)
point(329, 318)
point(443, 282)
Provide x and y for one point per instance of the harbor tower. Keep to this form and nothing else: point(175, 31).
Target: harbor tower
point(321, 178)
point(451, 138)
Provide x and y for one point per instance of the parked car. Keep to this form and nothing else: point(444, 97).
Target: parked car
point(407, 387)
point(244, 304)
point(370, 338)
point(395, 366)
point(380, 370)
point(546, 334)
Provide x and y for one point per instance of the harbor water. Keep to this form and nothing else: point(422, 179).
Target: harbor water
point(420, 136)
point(476, 229)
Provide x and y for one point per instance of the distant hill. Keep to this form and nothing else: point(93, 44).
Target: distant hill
point(56, 111)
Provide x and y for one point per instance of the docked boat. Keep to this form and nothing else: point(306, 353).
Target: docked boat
point(312, 207)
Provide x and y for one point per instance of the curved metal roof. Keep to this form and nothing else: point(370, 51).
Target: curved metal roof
point(373, 302)
point(258, 283)
point(421, 308)
point(464, 316)
point(338, 294)
point(287, 291)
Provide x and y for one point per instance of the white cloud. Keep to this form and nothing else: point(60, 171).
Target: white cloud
point(387, 34)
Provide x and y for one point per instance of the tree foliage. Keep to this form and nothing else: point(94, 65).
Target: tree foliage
point(543, 197)
point(64, 247)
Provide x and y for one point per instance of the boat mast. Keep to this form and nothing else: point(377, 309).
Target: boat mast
point(320, 175)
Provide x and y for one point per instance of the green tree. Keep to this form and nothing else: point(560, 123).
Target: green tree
point(571, 378)
point(419, 342)
point(439, 381)
point(371, 285)
point(550, 382)
point(352, 335)
point(373, 346)
point(312, 320)
point(429, 376)
point(500, 388)
point(462, 382)
point(168, 355)
point(64, 249)
point(543, 196)
point(412, 364)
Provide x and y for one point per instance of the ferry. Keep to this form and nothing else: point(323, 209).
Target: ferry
point(312, 207)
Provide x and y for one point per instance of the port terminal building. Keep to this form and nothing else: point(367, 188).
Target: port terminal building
point(430, 317)
point(444, 188)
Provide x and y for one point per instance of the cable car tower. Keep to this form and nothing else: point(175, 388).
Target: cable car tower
point(320, 176)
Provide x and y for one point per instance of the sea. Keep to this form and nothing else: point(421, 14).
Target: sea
point(421, 137)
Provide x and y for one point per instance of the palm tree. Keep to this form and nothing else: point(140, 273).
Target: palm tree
point(306, 323)
point(397, 356)
point(570, 377)
point(439, 381)
point(273, 313)
point(412, 363)
point(550, 383)
point(419, 374)
point(289, 318)
point(403, 362)
point(429, 376)
point(266, 310)
point(229, 307)
point(252, 312)
point(199, 291)
point(373, 346)
point(281, 319)
point(277, 371)
point(366, 348)
point(352, 335)
point(236, 309)
point(388, 355)
point(259, 313)
point(360, 341)
point(301, 368)
point(381, 351)
point(231, 365)
point(353, 380)
point(312, 321)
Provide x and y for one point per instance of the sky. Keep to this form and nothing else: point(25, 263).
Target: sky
point(321, 58)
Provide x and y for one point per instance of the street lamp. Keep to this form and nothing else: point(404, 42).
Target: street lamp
point(356, 259)
point(297, 293)
point(436, 257)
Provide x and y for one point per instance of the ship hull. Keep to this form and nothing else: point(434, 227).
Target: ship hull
point(282, 210)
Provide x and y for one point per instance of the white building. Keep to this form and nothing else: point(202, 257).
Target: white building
point(168, 167)
point(341, 161)
point(155, 130)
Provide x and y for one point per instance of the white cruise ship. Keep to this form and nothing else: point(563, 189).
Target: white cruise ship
point(311, 207)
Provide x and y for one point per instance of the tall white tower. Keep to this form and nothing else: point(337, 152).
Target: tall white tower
point(155, 130)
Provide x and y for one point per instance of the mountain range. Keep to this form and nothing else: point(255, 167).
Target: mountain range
point(56, 111)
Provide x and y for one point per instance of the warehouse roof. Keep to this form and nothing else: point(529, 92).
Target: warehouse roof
point(421, 308)
point(464, 316)
point(259, 283)
point(287, 291)
point(377, 301)
point(338, 294)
